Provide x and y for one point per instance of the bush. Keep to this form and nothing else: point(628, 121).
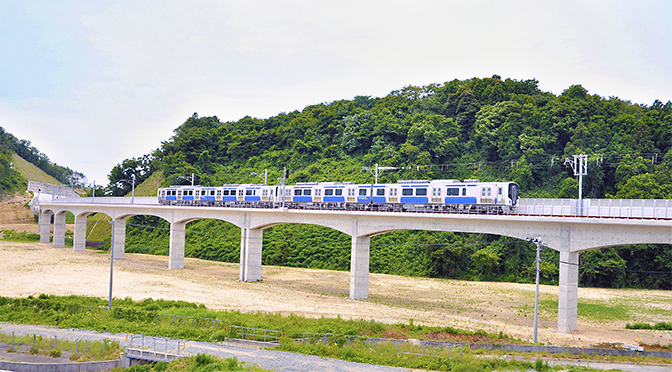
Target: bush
point(55, 353)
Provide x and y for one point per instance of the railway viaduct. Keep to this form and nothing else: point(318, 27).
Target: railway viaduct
point(563, 225)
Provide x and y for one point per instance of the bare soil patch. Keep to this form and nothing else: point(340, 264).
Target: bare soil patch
point(34, 268)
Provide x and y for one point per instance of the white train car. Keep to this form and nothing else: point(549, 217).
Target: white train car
point(410, 195)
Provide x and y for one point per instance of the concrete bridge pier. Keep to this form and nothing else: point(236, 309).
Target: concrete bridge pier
point(44, 225)
point(359, 267)
point(250, 254)
point(59, 229)
point(568, 291)
point(79, 241)
point(176, 247)
point(119, 229)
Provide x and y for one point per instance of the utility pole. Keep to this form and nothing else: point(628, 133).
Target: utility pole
point(109, 304)
point(375, 172)
point(536, 295)
point(580, 167)
point(265, 177)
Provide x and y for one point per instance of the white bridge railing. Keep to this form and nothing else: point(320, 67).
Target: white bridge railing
point(600, 208)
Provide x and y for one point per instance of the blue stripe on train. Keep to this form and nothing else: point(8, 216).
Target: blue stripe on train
point(414, 199)
point(334, 199)
point(302, 199)
point(460, 200)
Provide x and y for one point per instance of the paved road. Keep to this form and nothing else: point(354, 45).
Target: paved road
point(268, 359)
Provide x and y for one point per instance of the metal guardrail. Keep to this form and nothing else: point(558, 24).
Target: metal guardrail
point(254, 334)
point(156, 346)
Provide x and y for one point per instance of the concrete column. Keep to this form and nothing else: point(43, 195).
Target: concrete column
point(44, 225)
point(250, 254)
point(79, 244)
point(59, 230)
point(176, 248)
point(569, 289)
point(359, 265)
point(119, 238)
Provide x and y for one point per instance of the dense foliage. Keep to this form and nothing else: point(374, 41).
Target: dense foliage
point(10, 179)
point(488, 129)
point(24, 149)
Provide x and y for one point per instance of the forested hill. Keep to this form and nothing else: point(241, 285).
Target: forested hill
point(489, 129)
point(479, 128)
point(11, 180)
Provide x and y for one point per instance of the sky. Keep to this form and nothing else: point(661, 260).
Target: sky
point(91, 83)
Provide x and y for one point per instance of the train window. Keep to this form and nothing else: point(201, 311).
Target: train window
point(297, 192)
point(483, 191)
point(212, 192)
point(453, 191)
point(351, 192)
point(421, 192)
point(500, 191)
point(328, 192)
point(288, 192)
point(197, 192)
point(407, 192)
point(396, 191)
point(179, 192)
point(307, 191)
point(226, 192)
point(318, 192)
point(249, 192)
point(363, 192)
point(489, 191)
point(265, 192)
point(380, 192)
point(339, 192)
point(464, 191)
point(240, 192)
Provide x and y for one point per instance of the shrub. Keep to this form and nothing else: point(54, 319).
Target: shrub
point(55, 353)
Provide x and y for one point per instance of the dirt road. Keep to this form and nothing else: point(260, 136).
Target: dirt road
point(34, 268)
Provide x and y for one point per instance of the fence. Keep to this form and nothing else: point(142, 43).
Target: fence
point(254, 334)
point(80, 348)
point(158, 345)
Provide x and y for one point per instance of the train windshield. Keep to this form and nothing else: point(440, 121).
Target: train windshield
point(513, 193)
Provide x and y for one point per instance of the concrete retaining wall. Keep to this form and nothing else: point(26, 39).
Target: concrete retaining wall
point(60, 367)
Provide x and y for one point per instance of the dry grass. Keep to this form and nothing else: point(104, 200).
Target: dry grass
point(31, 172)
point(33, 268)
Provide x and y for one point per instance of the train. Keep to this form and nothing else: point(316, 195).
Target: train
point(408, 195)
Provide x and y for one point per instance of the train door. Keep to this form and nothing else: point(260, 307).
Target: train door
point(486, 195)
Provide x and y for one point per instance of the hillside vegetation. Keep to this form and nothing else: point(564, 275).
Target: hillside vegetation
point(30, 172)
point(488, 129)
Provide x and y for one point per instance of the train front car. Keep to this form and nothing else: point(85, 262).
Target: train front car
point(498, 197)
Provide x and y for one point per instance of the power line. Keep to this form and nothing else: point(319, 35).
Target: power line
point(608, 268)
